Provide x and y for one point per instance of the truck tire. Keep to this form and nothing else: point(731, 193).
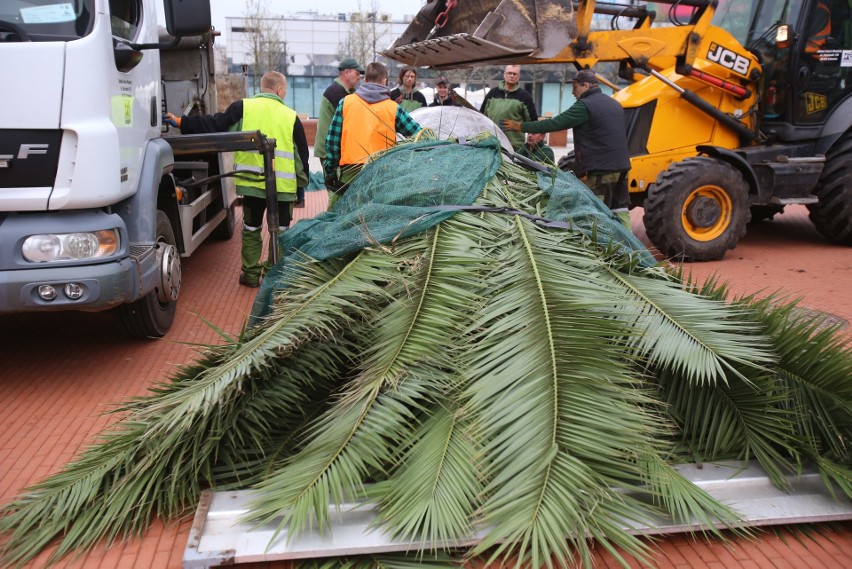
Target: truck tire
point(153, 314)
point(832, 215)
point(697, 209)
point(225, 229)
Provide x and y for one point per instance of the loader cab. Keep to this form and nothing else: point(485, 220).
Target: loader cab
point(805, 48)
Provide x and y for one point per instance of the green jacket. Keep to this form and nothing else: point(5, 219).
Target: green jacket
point(330, 98)
point(516, 105)
point(538, 152)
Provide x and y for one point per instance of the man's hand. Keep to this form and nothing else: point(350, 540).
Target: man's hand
point(509, 124)
point(171, 120)
point(332, 184)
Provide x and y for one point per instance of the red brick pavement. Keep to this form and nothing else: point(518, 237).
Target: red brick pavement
point(60, 373)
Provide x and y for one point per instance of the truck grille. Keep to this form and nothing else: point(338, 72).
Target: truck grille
point(29, 158)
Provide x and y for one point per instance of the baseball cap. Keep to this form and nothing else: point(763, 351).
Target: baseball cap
point(442, 80)
point(350, 63)
point(585, 76)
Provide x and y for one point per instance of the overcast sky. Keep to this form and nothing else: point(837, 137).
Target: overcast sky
point(222, 9)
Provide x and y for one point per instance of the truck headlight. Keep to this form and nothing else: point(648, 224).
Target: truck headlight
point(70, 246)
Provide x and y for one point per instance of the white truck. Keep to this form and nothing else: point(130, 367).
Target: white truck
point(95, 210)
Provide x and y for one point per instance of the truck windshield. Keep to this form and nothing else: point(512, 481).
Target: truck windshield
point(45, 20)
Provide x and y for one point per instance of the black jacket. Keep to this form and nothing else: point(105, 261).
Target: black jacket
point(601, 143)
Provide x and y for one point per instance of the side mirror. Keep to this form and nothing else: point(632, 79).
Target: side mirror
point(187, 17)
point(126, 58)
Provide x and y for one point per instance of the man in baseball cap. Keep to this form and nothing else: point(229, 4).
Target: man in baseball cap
point(444, 95)
point(585, 76)
point(348, 74)
point(600, 141)
point(350, 63)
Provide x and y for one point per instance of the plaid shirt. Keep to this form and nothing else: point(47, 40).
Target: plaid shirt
point(404, 125)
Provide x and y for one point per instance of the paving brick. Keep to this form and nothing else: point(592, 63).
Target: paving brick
point(54, 400)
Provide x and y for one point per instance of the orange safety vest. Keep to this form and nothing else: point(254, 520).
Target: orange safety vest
point(367, 129)
point(817, 39)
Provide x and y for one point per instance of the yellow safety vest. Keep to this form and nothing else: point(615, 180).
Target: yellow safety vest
point(275, 120)
point(367, 129)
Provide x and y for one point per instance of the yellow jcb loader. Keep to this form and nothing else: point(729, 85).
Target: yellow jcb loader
point(735, 108)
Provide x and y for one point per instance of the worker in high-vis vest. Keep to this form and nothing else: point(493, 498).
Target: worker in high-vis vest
point(267, 113)
point(366, 122)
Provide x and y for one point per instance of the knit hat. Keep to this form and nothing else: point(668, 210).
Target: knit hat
point(442, 80)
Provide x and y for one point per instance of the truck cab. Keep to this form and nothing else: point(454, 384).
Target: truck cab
point(90, 215)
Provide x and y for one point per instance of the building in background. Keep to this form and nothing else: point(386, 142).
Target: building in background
point(307, 46)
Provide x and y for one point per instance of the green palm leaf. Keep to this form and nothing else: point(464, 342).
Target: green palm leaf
point(492, 375)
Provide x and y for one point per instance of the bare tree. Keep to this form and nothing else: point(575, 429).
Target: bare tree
point(366, 30)
point(267, 50)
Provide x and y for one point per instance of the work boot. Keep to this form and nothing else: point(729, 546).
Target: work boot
point(252, 250)
point(246, 281)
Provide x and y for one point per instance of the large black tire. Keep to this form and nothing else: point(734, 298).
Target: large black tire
point(226, 228)
point(567, 163)
point(153, 315)
point(697, 209)
point(832, 215)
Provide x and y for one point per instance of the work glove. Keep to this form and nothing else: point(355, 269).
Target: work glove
point(171, 120)
point(509, 124)
point(333, 184)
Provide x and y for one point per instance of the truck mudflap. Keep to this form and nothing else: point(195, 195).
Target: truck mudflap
point(219, 537)
point(447, 35)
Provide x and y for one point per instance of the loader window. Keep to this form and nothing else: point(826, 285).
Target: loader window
point(45, 20)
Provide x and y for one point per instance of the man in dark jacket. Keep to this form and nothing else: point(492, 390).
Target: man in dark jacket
point(509, 101)
point(600, 141)
point(267, 113)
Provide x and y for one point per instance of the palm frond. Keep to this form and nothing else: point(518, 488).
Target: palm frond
point(491, 375)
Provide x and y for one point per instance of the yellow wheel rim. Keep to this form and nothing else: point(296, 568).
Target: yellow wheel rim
point(706, 213)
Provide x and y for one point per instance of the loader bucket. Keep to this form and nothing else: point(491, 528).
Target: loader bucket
point(485, 32)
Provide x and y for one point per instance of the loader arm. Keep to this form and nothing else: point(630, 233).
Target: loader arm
point(491, 32)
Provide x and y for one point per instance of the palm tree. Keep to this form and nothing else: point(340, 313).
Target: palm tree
point(513, 362)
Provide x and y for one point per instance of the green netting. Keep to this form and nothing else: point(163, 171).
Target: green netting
point(315, 182)
point(396, 196)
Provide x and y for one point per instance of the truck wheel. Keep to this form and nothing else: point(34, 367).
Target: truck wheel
point(153, 315)
point(832, 215)
point(225, 229)
point(697, 210)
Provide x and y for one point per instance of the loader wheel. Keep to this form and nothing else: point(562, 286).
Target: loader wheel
point(832, 215)
point(567, 163)
point(697, 209)
point(153, 314)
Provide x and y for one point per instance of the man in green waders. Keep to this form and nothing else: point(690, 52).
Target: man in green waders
point(267, 113)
